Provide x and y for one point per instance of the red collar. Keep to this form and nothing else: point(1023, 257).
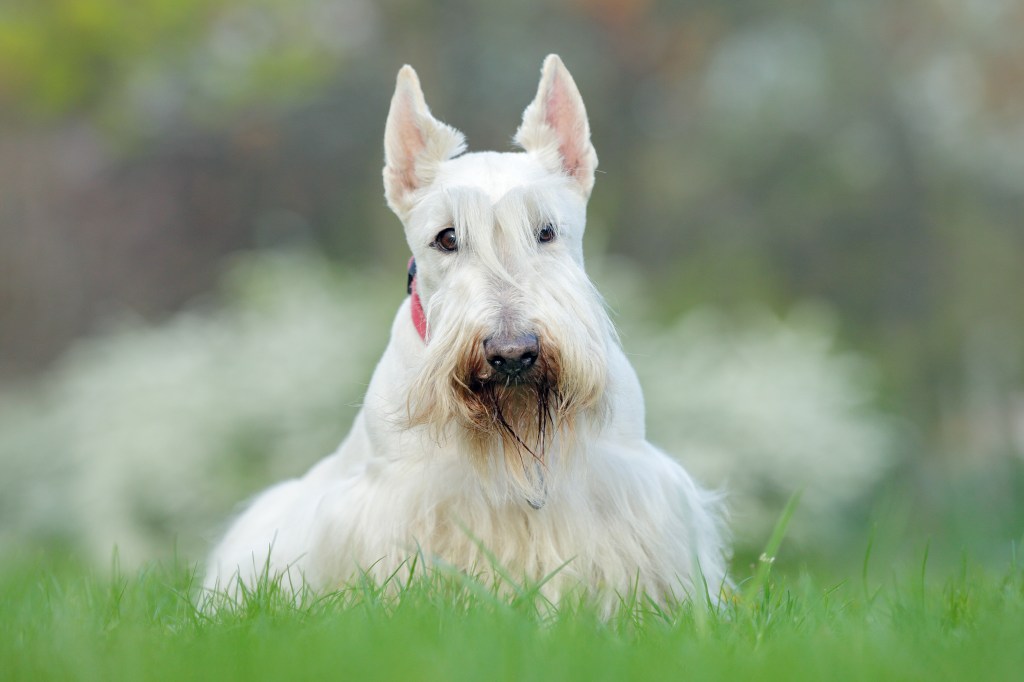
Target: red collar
point(419, 318)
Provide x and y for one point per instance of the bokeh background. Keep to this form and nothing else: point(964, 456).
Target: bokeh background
point(809, 223)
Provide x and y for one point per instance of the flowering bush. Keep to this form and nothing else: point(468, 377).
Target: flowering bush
point(150, 435)
point(764, 407)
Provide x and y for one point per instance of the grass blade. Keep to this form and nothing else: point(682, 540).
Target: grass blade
point(771, 549)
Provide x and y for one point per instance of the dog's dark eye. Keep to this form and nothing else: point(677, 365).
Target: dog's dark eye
point(546, 234)
point(445, 240)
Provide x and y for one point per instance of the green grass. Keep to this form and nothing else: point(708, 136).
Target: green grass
point(65, 624)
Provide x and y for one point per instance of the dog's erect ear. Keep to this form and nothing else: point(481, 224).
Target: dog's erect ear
point(555, 126)
point(415, 143)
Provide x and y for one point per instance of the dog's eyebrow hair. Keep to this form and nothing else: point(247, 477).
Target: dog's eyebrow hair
point(469, 207)
point(516, 216)
point(472, 212)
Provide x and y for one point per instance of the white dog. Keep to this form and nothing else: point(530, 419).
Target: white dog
point(504, 424)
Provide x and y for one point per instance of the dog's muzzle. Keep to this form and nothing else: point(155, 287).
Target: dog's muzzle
point(512, 356)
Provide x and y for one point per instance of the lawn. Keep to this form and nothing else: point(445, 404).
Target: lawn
point(65, 623)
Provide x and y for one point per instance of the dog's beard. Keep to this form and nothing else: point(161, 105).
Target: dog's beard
point(520, 413)
point(520, 430)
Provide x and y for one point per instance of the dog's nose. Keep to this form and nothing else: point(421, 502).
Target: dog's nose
point(512, 355)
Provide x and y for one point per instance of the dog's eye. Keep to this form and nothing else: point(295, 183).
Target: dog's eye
point(546, 234)
point(445, 240)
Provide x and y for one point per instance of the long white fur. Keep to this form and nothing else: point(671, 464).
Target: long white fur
point(615, 512)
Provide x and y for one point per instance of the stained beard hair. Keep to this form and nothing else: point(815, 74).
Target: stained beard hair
point(523, 401)
point(517, 430)
point(522, 415)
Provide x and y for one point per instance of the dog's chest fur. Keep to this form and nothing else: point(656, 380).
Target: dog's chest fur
point(609, 525)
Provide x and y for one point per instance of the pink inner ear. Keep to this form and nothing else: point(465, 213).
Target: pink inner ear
point(412, 143)
point(562, 114)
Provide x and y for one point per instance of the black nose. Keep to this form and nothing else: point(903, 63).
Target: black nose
point(512, 355)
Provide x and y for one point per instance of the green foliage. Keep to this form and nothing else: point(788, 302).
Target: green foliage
point(129, 62)
point(64, 624)
point(60, 54)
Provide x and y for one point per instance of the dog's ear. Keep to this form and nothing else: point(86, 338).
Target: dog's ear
point(415, 143)
point(555, 126)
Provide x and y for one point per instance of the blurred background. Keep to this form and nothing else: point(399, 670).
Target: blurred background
point(808, 221)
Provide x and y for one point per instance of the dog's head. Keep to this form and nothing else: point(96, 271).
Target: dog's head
point(517, 342)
